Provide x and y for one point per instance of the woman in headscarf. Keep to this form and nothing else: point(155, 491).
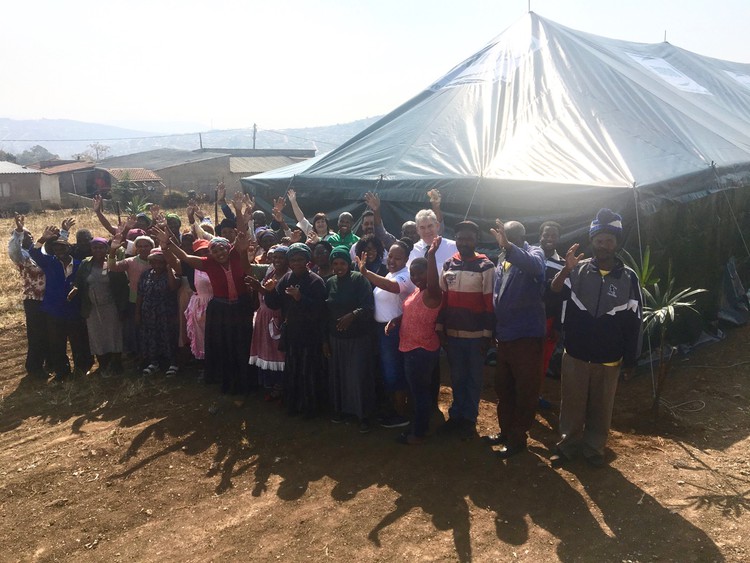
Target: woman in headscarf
point(186, 275)
point(300, 294)
point(266, 239)
point(156, 315)
point(229, 313)
point(264, 349)
point(104, 301)
point(350, 367)
point(195, 314)
point(134, 266)
point(321, 259)
point(390, 292)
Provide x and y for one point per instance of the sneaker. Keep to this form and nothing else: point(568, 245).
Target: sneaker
point(172, 370)
point(338, 418)
point(395, 421)
point(364, 426)
point(151, 369)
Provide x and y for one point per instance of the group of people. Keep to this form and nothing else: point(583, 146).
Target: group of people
point(327, 321)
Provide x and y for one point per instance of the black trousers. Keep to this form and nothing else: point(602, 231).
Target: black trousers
point(59, 332)
point(36, 335)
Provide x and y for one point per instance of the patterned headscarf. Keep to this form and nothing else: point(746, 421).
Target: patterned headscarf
point(147, 238)
point(219, 241)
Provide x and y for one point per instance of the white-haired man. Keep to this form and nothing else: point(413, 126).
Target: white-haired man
point(428, 228)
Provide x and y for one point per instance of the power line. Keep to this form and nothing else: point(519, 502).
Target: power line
point(198, 133)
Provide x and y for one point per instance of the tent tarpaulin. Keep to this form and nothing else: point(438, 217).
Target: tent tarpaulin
point(545, 122)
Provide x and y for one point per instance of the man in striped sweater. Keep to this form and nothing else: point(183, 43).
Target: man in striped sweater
point(466, 322)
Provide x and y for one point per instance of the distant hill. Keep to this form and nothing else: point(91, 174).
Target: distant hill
point(55, 135)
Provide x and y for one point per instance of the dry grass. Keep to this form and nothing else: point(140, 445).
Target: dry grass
point(11, 306)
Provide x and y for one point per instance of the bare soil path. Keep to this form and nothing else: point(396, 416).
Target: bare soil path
point(126, 470)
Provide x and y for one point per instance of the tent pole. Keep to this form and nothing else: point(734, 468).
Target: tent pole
point(472, 198)
point(640, 251)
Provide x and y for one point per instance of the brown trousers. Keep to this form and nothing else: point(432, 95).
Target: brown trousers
point(588, 396)
point(518, 380)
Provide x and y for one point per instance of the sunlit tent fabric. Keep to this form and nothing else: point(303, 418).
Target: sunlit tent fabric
point(546, 122)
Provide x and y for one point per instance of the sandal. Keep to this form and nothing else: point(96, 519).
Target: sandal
point(172, 370)
point(151, 369)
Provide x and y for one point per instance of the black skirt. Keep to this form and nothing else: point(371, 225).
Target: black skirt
point(229, 330)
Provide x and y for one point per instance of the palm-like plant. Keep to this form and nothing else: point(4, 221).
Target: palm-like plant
point(659, 312)
point(137, 204)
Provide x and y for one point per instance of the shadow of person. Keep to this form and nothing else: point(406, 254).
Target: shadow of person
point(643, 528)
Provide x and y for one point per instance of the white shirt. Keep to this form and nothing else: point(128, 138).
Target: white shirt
point(445, 251)
point(391, 305)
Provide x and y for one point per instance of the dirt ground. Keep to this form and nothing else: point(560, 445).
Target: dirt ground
point(127, 470)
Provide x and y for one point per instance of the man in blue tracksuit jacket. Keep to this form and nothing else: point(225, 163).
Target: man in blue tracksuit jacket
point(602, 323)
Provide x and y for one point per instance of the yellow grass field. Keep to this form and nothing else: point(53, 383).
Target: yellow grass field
point(11, 307)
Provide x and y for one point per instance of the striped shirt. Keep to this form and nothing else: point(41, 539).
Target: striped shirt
point(467, 285)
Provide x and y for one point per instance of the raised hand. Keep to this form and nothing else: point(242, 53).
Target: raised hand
point(161, 235)
point(499, 233)
point(361, 261)
point(434, 246)
point(221, 192)
point(312, 237)
point(249, 202)
point(117, 241)
point(127, 225)
point(19, 219)
point(291, 195)
point(279, 204)
point(241, 242)
point(270, 284)
point(68, 224)
point(435, 196)
point(372, 200)
point(571, 259)
point(199, 213)
point(49, 232)
point(97, 203)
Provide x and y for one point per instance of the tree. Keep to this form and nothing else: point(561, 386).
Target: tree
point(37, 153)
point(6, 156)
point(94, 152)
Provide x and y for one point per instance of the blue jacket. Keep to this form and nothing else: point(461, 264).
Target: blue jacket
point(602, 314)
point(55, 302)
point(518, 295)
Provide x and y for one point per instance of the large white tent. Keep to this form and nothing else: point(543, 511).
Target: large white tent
point(546, 122)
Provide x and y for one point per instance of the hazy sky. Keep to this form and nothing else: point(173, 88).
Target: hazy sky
point(290, 63)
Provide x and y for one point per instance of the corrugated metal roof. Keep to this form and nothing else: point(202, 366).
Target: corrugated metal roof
point(71, 167)
point(13, 168)
point(258, 164)
point(158, 159)
point(134, 174)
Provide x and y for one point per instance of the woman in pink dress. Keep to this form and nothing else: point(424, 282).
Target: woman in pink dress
point(195, 314)
point(264, 348)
